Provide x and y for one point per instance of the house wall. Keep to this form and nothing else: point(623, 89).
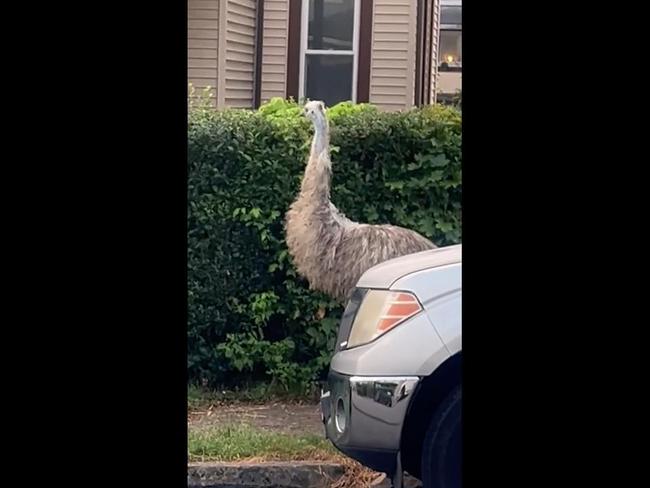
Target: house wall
point(236, 54)
point(203, 44)
point(274, 49)
point(221, 51)
point(392, 63)
point(449, 82)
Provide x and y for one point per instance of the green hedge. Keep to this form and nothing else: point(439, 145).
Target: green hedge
point(250, 316)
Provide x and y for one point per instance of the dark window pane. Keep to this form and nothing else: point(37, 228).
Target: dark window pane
point(450, 47)
point(328, 78)
point(451, 15)
point(330, 24)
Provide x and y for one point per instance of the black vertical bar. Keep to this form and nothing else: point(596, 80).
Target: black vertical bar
point(259, 42)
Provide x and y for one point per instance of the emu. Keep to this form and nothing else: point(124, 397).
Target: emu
point(329, 250)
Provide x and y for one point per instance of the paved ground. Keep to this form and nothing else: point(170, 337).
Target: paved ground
point(304, 474)
point(272, 474)
point(278, 417)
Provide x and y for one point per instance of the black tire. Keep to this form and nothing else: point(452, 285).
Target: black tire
point(441, 452)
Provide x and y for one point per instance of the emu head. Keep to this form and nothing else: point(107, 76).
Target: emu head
point(315, 111)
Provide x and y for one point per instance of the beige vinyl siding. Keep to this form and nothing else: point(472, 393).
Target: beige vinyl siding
point(203, 44)
point(274, 50)
point(236, 53)
point(392, 64)
point(449, 82)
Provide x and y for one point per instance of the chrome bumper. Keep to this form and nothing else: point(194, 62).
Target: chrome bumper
point(364, 415)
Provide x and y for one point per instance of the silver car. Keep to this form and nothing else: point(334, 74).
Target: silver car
point(393, 400)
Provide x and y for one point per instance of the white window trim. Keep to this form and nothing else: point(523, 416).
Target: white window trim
point(304, 26)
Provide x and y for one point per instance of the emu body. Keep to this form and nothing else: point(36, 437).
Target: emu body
point(328, 249)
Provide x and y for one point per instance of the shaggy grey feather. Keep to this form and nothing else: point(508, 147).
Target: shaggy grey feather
point(328, 249)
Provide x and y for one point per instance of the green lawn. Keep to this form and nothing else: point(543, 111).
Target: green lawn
point(237, 442)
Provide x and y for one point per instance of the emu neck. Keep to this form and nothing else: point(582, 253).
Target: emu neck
point(316, 181)
point(321, 139)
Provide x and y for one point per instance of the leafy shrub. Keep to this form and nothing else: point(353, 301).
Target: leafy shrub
point(458, 99)
point(199, 101)
point(250, 316)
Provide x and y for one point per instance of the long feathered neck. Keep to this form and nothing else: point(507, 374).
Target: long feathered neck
point(318, 173)
point(321, 141)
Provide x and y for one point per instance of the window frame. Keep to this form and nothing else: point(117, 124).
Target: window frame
point(304, 28)
point(442, 66)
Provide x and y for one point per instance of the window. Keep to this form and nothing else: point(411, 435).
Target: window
point(328, 50)
point(451, 31)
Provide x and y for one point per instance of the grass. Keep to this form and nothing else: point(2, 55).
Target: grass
point(240, 441)
point(244, 443)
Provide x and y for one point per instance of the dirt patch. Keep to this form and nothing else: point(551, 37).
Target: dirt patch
point(276, 417)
